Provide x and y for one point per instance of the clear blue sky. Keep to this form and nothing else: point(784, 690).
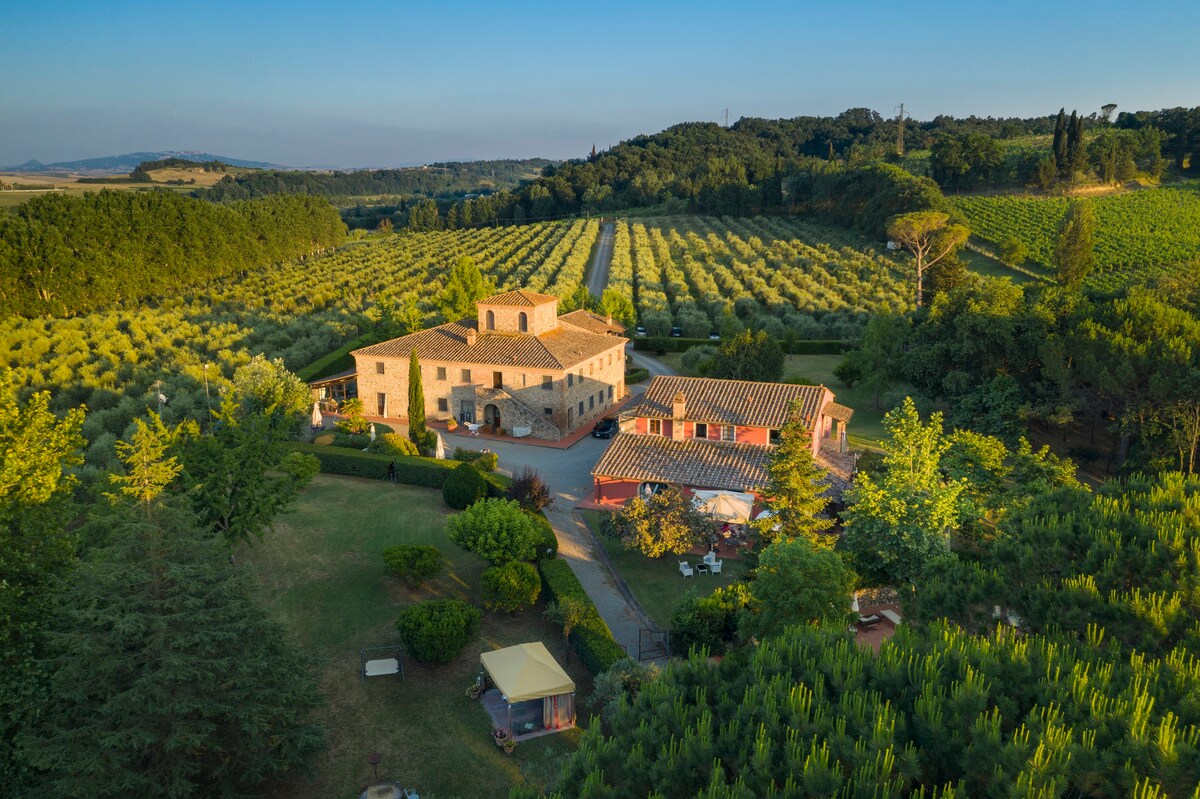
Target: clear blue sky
point(362, 83)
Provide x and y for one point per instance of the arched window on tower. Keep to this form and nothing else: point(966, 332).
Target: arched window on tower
point(491, 320)
point(523, 322)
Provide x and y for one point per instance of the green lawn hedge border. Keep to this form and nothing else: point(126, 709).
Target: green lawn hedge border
point(592, 639)
point(426, 472)
point(661, 344)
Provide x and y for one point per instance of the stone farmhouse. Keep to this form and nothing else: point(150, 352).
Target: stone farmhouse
point(706, 434)
point(518, 366)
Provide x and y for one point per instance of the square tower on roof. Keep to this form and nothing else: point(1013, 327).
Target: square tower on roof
point(518, 311)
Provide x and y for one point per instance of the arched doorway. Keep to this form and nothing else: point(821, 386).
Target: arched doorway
point(491, 415)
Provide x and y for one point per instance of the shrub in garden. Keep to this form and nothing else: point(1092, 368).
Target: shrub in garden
point(497, 530)
point(437, 630)
point(464, 487)
point(392, 444)
point(413, 563)
point(529, 489)
point(511, 587)
point(483, 461)
point(708, 622)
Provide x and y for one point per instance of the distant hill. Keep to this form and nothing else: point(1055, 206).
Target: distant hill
point(117, 164)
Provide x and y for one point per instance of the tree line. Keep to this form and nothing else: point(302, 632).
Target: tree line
point(67, 254)
point(434, 180)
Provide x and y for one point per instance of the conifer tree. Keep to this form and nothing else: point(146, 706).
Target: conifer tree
point(796, 492)
point(418, 433)
point(1059, 147)
point(1074, 254)
point(166, 677)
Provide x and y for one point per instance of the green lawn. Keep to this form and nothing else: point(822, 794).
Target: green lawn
point(866, 428)
point(323, 576)
point(657, 582)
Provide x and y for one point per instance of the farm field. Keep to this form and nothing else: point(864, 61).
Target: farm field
point(117, 361)
point(322, 575)
point(36, 185)
point(785, 276)
point(1138, 234)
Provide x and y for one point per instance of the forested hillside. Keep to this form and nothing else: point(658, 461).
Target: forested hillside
point(63, 254)
point(434, 180)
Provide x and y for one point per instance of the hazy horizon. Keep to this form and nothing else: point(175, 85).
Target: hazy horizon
point(303, 84)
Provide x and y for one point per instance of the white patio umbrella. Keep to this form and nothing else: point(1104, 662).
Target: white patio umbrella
point(728, 506)
point(767, 514)
point(440, 452)
point(372, 431)
point(317, 419)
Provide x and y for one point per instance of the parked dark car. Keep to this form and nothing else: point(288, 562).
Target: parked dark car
point(641, 331)
point(676, 332)
point(714, 336)
point(605, 428)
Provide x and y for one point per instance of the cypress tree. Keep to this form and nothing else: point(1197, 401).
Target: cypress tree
point(1074, 254)
point(1077, 149)
point(418, 434)
point(1060, 141)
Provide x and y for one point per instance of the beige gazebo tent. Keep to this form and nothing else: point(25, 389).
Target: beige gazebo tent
point(539, 695)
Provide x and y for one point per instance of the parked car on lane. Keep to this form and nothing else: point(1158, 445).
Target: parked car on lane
point(606, 428)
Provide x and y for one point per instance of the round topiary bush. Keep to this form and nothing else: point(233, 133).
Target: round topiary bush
point(413, 563)
point(436, 631)
point(464, 487)
point(511, 587)
point(393, 444)
point(495, 529)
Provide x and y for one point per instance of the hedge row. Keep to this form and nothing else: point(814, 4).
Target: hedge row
point(337, 361)
point(661, 344)
point(591, 638)
point(426, 472)
point(548, 543)
point(636, 375)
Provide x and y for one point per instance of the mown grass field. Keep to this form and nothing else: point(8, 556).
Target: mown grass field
point(323, 577)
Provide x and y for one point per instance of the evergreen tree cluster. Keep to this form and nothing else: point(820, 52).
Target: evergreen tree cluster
point(66, 254)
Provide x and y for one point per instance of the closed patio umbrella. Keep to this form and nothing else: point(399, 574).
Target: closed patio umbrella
point(440, 452)
point(317, 419)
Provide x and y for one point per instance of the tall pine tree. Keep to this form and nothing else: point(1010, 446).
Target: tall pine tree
point(166, 678)
point(796, 492)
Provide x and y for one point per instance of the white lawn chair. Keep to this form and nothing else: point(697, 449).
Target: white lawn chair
point(715, 566)
point(710, 558)
point(473, 429)
point(686, 569)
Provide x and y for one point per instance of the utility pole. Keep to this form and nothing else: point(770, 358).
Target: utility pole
point(726, 117)
point(900, 131)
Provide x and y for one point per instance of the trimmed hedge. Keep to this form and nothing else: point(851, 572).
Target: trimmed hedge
point(547, 546)
point(591, 638)
point(464, 487)
point(437, 630)
point(636, 375)
point(662, 344)
point(413, 563)
point(337, 361)
point(425, 472)
point(483, 461)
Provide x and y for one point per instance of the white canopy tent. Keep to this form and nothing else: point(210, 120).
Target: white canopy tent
point(727, 506)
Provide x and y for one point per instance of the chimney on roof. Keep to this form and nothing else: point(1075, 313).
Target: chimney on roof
point(470, 337)
point(678, 407)
point(608, 319)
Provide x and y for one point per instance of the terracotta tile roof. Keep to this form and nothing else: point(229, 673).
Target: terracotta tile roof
point(518, 297)
point(561, 348)
point(839, 412)
point(690, 462)
point(592, 322)
point(739, 402)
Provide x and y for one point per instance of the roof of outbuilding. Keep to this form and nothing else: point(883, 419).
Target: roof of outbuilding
point(560, 348)
point(839, 412)
point(738, 402)
point(691, 462)
point(592, 322)
point(518, 297)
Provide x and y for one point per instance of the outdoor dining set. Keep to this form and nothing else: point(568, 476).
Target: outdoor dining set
point(711, 565)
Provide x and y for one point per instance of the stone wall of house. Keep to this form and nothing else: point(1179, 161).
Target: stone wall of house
point(507, 318)
point(513, 413)
point(589, 386)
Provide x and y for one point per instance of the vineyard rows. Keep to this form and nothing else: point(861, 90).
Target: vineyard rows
point(1139, 234)
point(118, 361)
point(784, 276)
